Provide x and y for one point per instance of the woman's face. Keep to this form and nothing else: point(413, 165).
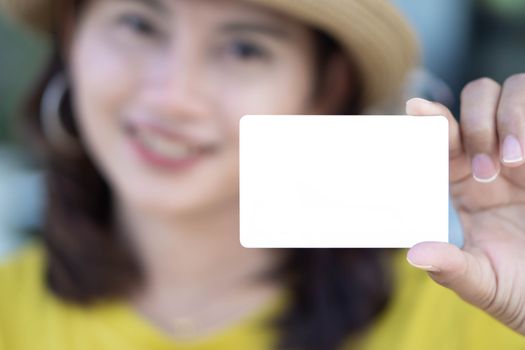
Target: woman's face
point(160, 85)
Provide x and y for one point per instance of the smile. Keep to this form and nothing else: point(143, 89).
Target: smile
point(161, 148)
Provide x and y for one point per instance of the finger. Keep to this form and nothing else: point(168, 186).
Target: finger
point(457, 169)
point(479, 102)
point(511, 121)
point(419, 106)
point(468, 275)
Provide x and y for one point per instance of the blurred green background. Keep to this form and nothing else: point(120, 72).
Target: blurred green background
point(22, 55)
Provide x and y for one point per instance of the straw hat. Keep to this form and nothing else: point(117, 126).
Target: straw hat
point(373, 32)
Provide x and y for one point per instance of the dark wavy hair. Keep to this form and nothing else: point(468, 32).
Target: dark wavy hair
point(336, 293)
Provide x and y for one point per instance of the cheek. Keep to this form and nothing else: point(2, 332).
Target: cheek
point(284, 90)
point(102, 80)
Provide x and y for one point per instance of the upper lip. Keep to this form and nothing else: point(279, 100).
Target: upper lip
point(132, 125)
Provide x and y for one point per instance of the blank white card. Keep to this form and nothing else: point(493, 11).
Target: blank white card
point(343, 180)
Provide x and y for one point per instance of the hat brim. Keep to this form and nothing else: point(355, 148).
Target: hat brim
point(373, 32)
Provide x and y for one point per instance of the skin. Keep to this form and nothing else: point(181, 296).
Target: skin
point(185, 228)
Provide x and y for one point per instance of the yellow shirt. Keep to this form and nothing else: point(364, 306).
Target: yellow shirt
point(422, 315)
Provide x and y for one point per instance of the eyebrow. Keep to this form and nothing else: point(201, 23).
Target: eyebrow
point(255, 28)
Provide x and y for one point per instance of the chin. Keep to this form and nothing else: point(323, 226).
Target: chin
point(173, 200)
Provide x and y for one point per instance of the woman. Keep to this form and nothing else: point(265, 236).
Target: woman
point(137, 119)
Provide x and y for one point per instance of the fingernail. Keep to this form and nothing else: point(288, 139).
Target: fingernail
point(424, 267)
point(420, 100)
point(483, 168)
point(512, 150)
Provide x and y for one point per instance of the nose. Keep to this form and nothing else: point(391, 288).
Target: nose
point(174, 82)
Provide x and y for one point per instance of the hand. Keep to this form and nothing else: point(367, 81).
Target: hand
point(487, 185)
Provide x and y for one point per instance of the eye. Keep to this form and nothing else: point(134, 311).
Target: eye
point(138, 24)
point(246, 50)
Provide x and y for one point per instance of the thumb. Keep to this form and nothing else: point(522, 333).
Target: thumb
point(466, 274)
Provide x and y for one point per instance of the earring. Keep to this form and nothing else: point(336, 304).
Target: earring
point(51, 120)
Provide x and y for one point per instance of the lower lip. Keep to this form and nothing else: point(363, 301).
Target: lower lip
point(154, 159)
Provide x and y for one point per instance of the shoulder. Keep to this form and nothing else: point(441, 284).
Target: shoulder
point(21, 281)
point(27, 307)
point(22, 267)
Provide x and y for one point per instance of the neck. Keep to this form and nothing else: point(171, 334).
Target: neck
point(185, 258)
point(195, 269)
point(191, 249)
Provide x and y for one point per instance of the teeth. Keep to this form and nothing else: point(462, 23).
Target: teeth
point(164, 147)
